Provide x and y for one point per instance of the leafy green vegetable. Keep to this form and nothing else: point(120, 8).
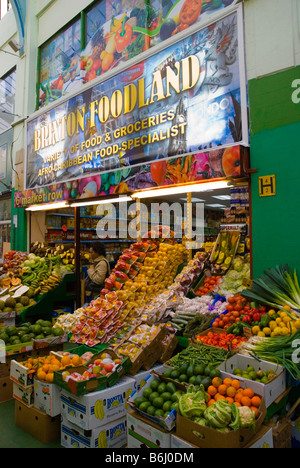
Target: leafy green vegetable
point(193, 403)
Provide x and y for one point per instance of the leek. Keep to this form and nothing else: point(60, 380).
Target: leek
point(277, 287)
point(280, 350)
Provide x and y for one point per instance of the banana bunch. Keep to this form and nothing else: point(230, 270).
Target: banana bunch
point(99, 410)
point(50, 283)
point(102, 441)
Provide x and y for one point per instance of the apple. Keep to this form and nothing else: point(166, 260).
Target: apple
point(96, 370)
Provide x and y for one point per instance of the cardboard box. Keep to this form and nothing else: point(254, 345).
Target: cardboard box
point(168, 423)
point(110, 436)
point(282, 434)
point(20, 374)
point(24, 395)
point(295, 436)
point(97, 408)
point(270, 391)
point(47, 397)
point(6, 389)
point(179, 443)
point(263, 439)
point(143, 433)
point(140, 377)
point(38, 424)
point(205, 437)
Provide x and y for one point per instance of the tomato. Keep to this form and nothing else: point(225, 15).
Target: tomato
point(230, 308)
point(190, 11)
point(221, 324)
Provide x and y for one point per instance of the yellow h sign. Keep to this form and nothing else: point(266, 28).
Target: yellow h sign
point(267, 186)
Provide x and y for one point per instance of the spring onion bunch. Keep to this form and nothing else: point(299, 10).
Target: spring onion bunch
point(277, 287)
point(282, 350)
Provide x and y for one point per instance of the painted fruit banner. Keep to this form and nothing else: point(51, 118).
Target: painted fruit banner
point(187, 98)
point(65, 67)
point(204, 165)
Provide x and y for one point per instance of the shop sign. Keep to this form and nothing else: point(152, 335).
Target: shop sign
point(204, 165)
point(186, 99)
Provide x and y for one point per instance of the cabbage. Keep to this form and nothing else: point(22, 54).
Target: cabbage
point(238, 264)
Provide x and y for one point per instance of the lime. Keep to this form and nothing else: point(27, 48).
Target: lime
point(151, 410)
point(139, 400)
point(147, 392)
point(192, 379)
point(215, 373)
point(153, 396)
point(199, 369)
point(167, 373)
point(166, 414)
point(199, 379)
point(174, 406)
point(166, 396)
point(175, 374)
point(167, 406)
point(237, 372)
point(183, 378)
point(154, 384)
point(161, 387)
point(143, 406)
point(158, 402)
point(159, 413)
point(170, 387)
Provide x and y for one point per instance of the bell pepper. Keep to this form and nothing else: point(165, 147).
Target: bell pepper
point(123, 36)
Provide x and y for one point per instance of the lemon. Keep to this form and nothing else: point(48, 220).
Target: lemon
point(271, 312)
point(287, 308)
point(282, 325)
point(261, 334)
point(267, 331)
point(293, 330)
point(285, 331)
point(278, 320)
point(283, 314)
point(277, 331)
point(297, 324)
point(273, 325)
point(287, 319)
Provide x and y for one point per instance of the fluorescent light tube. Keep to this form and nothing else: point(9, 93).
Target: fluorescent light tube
point(194, 188)
point(49, 206)
point(101, 202)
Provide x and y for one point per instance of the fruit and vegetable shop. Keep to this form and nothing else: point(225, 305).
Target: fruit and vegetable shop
point(182, 347)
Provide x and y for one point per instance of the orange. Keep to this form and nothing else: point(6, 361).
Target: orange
point(41, 375)
point(246, 401)
point(219, 397)
point(253, 408)
point(217, 382)
point(50, 377)
point(227, 382)
point(238, 397)
point(230, 400)
point(236, 384)
point(46, 368)
point(231, 392)
point(256, 401)
point(211, 402)
point(66, 361)
point(76, 360)
point(55, 362)
point(237, 404)
point(54, 368)
point(222, 389)
point(208, 397)
point(248, 392)
point(212, 390)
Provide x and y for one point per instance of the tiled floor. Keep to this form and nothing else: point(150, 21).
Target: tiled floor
point(12, 436)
